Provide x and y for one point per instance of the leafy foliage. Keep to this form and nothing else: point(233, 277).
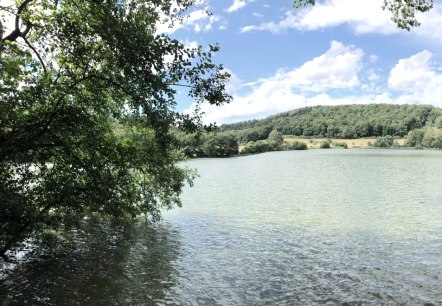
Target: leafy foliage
point(384, 142)
point(208, 145)
point(429, 138)
point(414, 138)
point(345, 122)
point(274, 142)
point(326, 144)
point(276, 136)
point(296, 145)
point(87, 97)
point(340, 144)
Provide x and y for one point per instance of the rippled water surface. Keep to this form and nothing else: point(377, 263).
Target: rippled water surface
point(336, 227)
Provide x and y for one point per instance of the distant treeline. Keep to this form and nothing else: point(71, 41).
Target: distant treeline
point(345, 122)
point(421, 123)
point(225, 144)
point(212, 144)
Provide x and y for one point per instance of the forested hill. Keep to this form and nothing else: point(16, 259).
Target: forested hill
point(346, 121)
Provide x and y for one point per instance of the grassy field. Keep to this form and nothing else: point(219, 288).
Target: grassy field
point(314, 143)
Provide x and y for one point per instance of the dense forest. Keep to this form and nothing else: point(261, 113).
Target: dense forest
point(346, 121)
point(421, 124)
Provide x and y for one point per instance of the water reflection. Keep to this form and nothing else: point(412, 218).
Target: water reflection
point(105, 264)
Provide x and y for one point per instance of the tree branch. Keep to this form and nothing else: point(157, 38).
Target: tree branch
point(16, 33)
point(36, 53)
point(181, 85)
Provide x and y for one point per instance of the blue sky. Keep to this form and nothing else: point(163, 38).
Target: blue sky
point(337, 52)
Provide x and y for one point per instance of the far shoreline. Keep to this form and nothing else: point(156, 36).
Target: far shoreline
point(356, 143)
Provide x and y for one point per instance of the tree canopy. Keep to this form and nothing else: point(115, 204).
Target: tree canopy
point(345, 121)
point(403, 11)
point(87, 103)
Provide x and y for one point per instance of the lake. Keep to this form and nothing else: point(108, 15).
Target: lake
point(324, 227)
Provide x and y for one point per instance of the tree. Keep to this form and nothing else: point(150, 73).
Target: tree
point(414, 138)
point(87, 97)
point(220, 145)
point(432, 138)
point(403, 11)
point(276, 137)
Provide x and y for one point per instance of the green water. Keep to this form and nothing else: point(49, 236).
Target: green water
point(335, 227)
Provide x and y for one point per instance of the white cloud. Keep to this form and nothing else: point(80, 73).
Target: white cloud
point(234, 84)
point(337, 68)
point(332, 79)
point(373, 76)
point(238, 4)
point(373, 58)
point(362, 16)
point(417, 79)
point(431, 24)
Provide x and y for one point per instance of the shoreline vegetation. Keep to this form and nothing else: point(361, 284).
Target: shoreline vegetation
point(336, 143)
point(322, 127)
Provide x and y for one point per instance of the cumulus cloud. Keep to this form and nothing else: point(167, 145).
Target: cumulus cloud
point(361, 16)
point(333, 79)
point(431, 24)
point(238, 4)
point(234, 84)
point(417, 79)
point(336, 69)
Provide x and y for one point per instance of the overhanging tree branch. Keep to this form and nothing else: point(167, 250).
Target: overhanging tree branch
point(35, 52)
point(16, 33)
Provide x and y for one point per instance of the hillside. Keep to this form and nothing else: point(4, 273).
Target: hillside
point(379, 124)
point(346, 121)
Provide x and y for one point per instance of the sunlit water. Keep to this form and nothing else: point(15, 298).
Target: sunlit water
point(326, 227)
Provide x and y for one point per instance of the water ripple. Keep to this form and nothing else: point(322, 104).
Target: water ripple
point(291, 228)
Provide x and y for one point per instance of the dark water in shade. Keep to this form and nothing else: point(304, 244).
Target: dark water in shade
point(322, 227)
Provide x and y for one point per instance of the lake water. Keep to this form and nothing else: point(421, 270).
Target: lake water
point(325, 227)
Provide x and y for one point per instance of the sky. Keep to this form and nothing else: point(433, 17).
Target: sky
point(337, 52)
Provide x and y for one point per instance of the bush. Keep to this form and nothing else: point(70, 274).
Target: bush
point(384, 142)
point(296, 145)
point(340, 144)
point(259, 146)
point(326, 144)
